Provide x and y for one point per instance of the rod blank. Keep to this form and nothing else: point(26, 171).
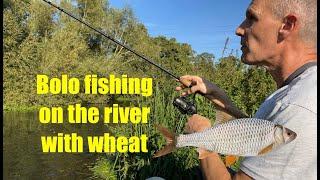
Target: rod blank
point(112, 39)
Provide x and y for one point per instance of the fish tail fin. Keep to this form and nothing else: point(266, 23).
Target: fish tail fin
point(171, 142)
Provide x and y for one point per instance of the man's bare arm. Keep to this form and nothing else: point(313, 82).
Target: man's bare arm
point(214, 169)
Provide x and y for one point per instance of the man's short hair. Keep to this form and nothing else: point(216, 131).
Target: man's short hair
point(305, 9)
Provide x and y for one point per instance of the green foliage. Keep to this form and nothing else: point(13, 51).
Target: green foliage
point(229, 76)
point(103, 169)
point(40, 23)
point(257, 85)
point(246, 86)
point(40, 40)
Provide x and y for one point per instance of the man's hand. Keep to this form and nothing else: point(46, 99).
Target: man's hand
point(197, 123)
point(199, 84)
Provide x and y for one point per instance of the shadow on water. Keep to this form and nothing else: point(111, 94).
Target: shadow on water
point(22, 150)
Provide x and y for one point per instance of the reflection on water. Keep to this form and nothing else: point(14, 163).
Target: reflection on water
point(23, 157)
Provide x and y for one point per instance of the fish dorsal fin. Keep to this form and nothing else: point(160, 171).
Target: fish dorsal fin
point(266, 149)
point(222, 117)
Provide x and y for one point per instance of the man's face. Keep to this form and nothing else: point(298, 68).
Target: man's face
point(259, 34)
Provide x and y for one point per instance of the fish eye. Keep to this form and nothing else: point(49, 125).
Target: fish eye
point(289, 134)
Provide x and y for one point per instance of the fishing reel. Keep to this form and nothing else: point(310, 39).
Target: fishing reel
point(185, 105)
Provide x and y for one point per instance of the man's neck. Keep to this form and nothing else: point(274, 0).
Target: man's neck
point(289, 62)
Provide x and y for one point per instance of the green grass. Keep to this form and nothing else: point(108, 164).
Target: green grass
point(103, 169)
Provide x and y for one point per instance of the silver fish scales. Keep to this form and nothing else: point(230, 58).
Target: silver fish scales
point(239, 137)
point(242, 137)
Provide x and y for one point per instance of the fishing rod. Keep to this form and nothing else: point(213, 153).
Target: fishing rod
point(112, 39)
point(182, 103)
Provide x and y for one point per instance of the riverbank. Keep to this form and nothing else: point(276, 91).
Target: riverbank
point(19, 108)
point(23, 156)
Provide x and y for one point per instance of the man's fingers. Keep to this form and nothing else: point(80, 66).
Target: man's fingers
point(195, 82)
point(191, 90)
point(187, 92)
point(185, 82)
point(187, 128)
point(178, 88)
point(190, 78)
point(184, 93)
point(194, 89)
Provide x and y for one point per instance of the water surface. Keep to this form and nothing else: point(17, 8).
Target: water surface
point(23, 156)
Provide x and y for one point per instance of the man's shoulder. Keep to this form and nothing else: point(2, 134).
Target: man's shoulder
point(302, 91)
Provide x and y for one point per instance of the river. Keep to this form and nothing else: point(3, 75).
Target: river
point(22, 149)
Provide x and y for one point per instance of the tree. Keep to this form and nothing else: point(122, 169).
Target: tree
point(204, 65)
point(229, 76)
point(257, 85)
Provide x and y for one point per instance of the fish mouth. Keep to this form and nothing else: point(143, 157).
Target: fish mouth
point(292, 136)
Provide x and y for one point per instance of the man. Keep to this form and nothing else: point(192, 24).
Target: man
point(279, 35)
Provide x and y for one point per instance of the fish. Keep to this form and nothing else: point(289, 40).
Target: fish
point(197, 123)
point(238, 137)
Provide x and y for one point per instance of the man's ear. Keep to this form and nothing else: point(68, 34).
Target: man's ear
point(288, 26)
